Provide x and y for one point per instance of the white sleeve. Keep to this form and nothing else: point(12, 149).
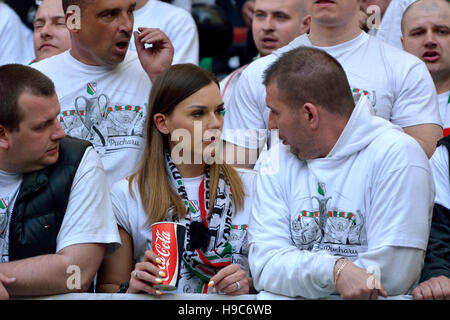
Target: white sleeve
point(185, 39)
point(185, 4)
point(120, 197)
point(245, 113)
point(439, 167)
point(276, 264)
point(401, 209)
point(89, 216)
point(416, 102)
point(16, 38)
point(397, 268)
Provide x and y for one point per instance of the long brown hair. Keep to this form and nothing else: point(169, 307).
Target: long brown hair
point(173, 86)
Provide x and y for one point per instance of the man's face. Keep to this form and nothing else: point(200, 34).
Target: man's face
point(275, 24)
point(51, 35)
point(332, 12)
point(106, 29)
point(36, 144)
point(427, 36)
point(292, 129)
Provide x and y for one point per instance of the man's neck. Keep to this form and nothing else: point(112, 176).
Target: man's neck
point(327, 36)
point(140, 3)
point(442, 86)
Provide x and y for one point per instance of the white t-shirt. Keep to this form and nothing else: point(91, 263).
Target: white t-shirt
point(9, 189)
point(104, 105)
point(439, 166)
point(16, 38)
point(131, 216)
point(444, 106)
point(397, 83)
point(390, 29)
point(372, 193)
point(176, 23)
point(89, 217)
point(228, 84)
point(191, 185)
point(185, 4)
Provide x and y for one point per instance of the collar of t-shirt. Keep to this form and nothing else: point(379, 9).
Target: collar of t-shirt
point(348, 46)
point(74, 64)
point(9, 187)
point(192, 186)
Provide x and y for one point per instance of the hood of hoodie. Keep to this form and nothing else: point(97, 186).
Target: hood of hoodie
point(362, 128)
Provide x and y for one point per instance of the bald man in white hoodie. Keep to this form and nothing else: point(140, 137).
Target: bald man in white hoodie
point(352, 193)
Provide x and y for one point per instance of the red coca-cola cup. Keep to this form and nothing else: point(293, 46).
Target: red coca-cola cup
point(168, 244)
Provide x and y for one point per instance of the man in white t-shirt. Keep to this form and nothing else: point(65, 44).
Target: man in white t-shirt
point(103, 87)
point(398, 84)
point(54, 230)
point(51, 35)
point(352, 194)
point(176, 23)
point(16, 38)
point(390, 12)
point(426, 34)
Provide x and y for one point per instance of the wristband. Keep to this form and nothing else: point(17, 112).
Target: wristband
point(339, 271)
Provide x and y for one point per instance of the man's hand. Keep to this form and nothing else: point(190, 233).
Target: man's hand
point(156, 58)
point(247, 12)
point(437, 288)
point(357, 284)
point(231, 280)
point(4, 280)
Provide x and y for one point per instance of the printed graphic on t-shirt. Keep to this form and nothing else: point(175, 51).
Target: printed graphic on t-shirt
point(109, 125)
point(4, 219)
point(371, 95)
point(239, 241)
point(328, 228)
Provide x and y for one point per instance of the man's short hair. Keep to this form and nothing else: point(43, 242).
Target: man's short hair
point(412, 5)
point(80, 3)
point(307, 74)
point(16, 79)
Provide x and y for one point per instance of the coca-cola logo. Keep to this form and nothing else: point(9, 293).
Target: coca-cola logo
point(162, 247)
point(162, 243)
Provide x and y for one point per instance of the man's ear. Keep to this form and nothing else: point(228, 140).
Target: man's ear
point(160, 121)
point(403, 43)
point(306, 24)
point(4, 138)
point(310, 114)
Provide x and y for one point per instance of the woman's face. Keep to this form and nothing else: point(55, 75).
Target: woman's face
point(194, 127)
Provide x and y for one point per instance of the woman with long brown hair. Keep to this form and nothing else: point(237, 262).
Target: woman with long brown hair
point(181, 178)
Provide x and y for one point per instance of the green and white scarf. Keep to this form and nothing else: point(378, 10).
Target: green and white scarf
point(206, 247)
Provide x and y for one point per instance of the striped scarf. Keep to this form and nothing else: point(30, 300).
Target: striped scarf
point(206, 247)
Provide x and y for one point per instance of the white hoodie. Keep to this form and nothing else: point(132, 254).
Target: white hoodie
point(374, 194)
